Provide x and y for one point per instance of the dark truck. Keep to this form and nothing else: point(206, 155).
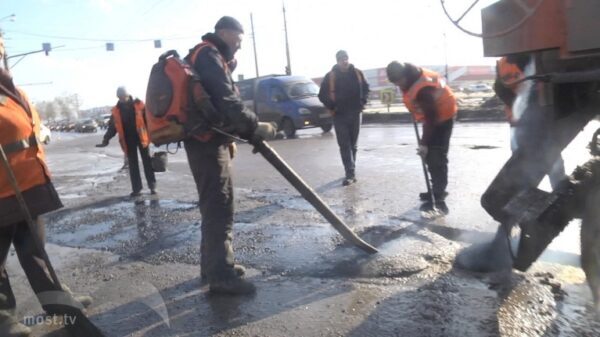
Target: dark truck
point(289, 101)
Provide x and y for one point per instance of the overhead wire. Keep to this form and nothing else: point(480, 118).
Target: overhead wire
point(75, 38)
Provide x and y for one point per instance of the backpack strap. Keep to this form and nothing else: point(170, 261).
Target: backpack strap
point(332, 85)
point(17, 98)
point(20, 145)
point(196, 50)
point(360, 78)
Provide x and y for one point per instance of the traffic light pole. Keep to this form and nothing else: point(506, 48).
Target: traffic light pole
point(22, 56)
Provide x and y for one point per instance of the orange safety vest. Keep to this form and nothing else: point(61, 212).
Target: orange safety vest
point(27, 162)
point(509, 73)
point(140, 125)
point(359, 76)
point(444, 98)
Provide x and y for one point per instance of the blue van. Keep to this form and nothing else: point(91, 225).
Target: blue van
point(289, 101)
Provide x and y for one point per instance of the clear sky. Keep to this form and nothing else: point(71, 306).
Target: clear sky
point(374, 32)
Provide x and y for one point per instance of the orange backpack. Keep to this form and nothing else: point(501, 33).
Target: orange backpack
point(176, 102)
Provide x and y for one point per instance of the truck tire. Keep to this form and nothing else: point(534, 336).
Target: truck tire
point(288, 128)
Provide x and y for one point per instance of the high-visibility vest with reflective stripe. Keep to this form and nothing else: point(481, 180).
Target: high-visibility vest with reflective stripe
point(360, 77)
point(140, 125)
point(509, 73)
point(28, 163)
point(445, 101)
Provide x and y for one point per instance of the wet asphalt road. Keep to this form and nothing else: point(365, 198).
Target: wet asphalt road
point(140, 258)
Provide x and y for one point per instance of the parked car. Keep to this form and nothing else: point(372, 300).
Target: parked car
point(479, 87)
point(289, 101)
point(45, 134)
point(86, 125)
point(103, 121)
point(66, 126)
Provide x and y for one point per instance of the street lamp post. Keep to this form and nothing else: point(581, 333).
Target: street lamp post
point(4, 58)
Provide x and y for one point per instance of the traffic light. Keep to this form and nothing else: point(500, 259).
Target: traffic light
point(157, 44)
point(110, 46)
point(46, 47)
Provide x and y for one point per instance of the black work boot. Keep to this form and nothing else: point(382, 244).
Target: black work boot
point(425, 196)
point(427, 206)
point(232, 286)
point(442, 207)
point(488, 256)
point(10, 327)
point(238, 270)
point(135, 194)
point(349, 180)
point(153, 190)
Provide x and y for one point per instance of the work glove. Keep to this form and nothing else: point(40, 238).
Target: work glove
point(264, 131)
point(422, 151)
point(103, 144)
point(232, 150)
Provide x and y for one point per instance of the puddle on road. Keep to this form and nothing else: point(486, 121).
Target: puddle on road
point(165, 231)
point(126, 227)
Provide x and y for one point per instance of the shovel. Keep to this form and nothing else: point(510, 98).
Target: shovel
point(81, 325)
point(434, 212)
point(307, 193)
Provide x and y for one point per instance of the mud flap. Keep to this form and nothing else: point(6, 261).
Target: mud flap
point(541, 217)
point(307, 193)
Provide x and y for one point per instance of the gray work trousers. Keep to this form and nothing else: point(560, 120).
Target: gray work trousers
point(211, 167)
point(347, 128)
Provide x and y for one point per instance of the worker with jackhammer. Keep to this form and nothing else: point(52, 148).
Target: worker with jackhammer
point(19, 132)
point(210, 158)
point(509, 73)
point(431, 101)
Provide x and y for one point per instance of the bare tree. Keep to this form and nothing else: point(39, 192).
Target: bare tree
point(46, 110)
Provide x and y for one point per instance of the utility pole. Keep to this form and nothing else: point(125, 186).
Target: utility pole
point(288, 68)
point(446, 58)
point(254, 44)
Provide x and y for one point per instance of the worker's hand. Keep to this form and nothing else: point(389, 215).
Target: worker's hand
point(422, 151)
point(103, 144)
point(232, 150)
point(264, 131)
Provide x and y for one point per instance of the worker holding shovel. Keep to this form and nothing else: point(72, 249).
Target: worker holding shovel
point(432, 102)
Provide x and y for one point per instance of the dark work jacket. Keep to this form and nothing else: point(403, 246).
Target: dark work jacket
point(351, 92)
point(217, 81)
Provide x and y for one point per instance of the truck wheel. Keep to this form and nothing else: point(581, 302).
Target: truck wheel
point(326, 128)
point(288, 128)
